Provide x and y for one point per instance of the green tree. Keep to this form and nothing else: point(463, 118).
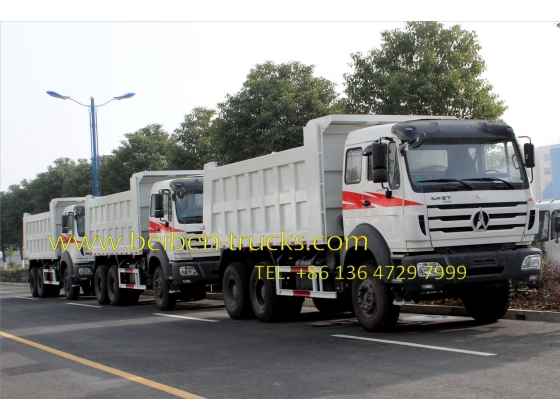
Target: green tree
point(192, 140)
point(77, 182)
point(269, 112)
point(14, 202)
point(424, 69)
point(147, 149)
point(66, 178)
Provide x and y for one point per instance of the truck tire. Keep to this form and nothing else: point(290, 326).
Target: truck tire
point(71, 291)
point(267, 305)
point(33, 282)
point(117, 296)
point(489, 304)
point(373, 301)
point(100, 284)
point(165, 301)
point(42, 288)
point(235, 289)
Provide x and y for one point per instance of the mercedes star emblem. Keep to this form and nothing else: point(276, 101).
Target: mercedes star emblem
point(480, 220)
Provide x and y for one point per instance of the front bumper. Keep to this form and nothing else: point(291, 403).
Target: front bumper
point(207, 272)
point(83, 276)
point(479, 267)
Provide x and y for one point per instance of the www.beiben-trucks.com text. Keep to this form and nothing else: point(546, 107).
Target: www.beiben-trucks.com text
point(176, 242)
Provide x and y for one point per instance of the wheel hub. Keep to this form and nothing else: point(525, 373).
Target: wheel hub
point(231, 292)
point(260, 293)
point(67, 284)
point(158, 289)
point(367, 299)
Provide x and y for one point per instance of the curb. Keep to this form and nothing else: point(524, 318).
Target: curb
point(515, 314)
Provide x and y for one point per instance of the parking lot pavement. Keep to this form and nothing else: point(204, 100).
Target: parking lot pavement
point(197, 350)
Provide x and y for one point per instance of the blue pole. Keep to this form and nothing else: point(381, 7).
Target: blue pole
point(94, 158)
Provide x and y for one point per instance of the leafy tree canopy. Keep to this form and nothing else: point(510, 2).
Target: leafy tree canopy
point(425, 69)
point(66, 178)
point(192, 139)
point(269, 112)
point(148, 149)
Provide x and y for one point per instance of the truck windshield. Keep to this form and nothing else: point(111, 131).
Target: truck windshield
point(443, 163)
point(189, 208)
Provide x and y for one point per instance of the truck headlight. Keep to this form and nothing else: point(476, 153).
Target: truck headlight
point(429, 269)
point(84, 271)
point(188, 270)
point(531, 262)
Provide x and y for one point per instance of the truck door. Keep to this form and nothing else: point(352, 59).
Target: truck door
point(384, 213)
point(352, 187)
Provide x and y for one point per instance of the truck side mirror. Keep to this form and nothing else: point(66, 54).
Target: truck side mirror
point(156, 207)
point(65, 224)
point(529, 152)
point(379, 163)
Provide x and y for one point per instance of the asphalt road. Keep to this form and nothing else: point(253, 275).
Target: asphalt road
point(160, 356)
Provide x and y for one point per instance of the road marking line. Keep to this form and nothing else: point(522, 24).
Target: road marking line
point(403, 343)
point(83, 304)
point(138, 379)
point(21, 297)
point(188, 317)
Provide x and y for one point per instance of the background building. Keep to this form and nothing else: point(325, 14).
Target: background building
point(546, 184)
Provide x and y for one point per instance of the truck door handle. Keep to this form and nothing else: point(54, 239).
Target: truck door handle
point(366, 203)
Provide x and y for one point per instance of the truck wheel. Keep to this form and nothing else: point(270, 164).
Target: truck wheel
point(71, 291)
point(235, 289)
point(373, 301)
point(267, 306)
point(33, 282)
point(42, 288)
point(117, 296)
point(489, 304)
point(165, 301)
point(100, 284)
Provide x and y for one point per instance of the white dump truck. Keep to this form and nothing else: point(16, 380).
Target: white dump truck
point(373, 212)
point(151, 237)
point(549, 228)
point(52, 244)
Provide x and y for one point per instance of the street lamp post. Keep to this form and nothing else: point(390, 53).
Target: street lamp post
point(93, 132)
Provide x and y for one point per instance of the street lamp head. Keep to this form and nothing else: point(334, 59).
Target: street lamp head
point(56, 95)
point(125, 96)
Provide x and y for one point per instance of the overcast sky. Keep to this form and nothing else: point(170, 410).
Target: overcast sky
point(174, 67)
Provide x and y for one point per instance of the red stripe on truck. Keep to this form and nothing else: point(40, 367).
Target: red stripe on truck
point(354, 201)
point(302, 293)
